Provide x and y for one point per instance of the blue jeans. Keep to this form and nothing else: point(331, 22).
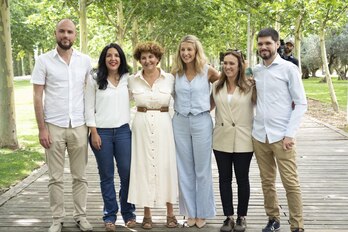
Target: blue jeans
point(116, 143)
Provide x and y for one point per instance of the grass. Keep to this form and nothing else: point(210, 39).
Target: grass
point(15, 165)
point(320, 91)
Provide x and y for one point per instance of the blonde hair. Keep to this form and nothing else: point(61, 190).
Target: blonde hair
point(200, 59)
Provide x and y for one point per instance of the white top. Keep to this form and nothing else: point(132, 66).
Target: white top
point(229, 97)
point(64, 87)
point(108, 108)
point(278, 85)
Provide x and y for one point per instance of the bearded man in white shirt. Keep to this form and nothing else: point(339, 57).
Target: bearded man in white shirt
point(278, 84)
point(60, 76)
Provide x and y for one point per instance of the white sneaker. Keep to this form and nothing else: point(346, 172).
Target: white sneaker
point(56, 227)
point(83, 224)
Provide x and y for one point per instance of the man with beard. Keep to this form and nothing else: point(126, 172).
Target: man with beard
point(289, 46)
point(278, 84)
point(60, 76)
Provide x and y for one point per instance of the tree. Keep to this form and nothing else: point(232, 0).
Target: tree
point(311, 57)
point(329, 14)
point(8, 132)
point(337, 50)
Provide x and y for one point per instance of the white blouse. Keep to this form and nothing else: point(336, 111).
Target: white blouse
point(107, 108)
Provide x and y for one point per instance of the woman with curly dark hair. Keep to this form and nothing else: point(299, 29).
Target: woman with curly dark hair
point(153, 180)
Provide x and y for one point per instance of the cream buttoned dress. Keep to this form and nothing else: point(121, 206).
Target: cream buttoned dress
point(153, 178)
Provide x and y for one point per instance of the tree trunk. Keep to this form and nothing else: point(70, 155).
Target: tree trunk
point(22, 66)
point(30, 59)
point(83, 26)
point(326, 68)
point(120, 24)
point(134, 43)
point(8, 132)
point(298, 38)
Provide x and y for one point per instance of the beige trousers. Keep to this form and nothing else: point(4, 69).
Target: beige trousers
point(74, 141)
point(268, 157)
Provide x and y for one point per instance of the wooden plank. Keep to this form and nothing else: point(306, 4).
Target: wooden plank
point(322, 166)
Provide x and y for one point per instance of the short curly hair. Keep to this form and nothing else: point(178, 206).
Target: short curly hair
point(151, 46)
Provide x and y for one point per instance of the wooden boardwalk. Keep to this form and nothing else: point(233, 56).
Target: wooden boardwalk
point(323, 169)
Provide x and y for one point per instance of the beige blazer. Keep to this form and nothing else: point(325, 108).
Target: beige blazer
point(233, 121)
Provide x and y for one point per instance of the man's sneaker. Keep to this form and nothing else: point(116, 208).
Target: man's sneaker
point(240, 224)
point(228, 225)
point(271, 226)
point(56, 227)
point(83, 224)
point(298, 230)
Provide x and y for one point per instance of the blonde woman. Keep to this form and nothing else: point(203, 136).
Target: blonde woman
point(192, 125)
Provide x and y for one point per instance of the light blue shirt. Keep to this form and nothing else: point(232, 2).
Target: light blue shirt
point(278, 85)
point(192, 96)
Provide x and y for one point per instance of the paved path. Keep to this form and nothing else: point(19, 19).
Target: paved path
point(322, 163)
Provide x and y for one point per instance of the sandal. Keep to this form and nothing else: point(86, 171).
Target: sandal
point(147, 223)
point(172, 222)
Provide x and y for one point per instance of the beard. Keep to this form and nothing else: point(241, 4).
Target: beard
point(65, 46)
point(267, 55)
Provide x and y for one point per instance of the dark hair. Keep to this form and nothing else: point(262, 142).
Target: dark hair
point(150, 46)
point(241, 80)
point(269, 32)
point(102, 71)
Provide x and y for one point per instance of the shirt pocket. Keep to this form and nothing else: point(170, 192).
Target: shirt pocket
point(165, 90)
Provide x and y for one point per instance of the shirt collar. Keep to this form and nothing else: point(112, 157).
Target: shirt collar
point(276, 61)
point(55, 52)
point(139, 74)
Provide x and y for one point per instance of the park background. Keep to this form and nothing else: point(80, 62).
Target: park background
point(318, 27)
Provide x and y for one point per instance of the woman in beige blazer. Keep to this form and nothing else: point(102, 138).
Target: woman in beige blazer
point(232, 144)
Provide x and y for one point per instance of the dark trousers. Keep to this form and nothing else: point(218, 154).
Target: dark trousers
point(241, 163)
point(116, 145)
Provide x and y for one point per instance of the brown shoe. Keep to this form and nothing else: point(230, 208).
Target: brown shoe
point(147, 223)
point(172, 222)
point(131, 223)
point(109, 226)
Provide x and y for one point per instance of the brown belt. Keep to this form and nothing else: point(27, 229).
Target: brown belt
point(145, 109)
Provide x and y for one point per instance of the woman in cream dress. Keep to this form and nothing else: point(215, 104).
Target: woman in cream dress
point(153, 180)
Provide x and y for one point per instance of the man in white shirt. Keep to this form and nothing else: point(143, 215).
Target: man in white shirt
point(278, 84)
point(60, 76)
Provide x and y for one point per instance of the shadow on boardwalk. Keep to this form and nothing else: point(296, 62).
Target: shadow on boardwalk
point(322, 164)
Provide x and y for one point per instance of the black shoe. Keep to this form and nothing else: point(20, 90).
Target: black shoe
point(240, 224)
point(271, 226)
point(228, 225)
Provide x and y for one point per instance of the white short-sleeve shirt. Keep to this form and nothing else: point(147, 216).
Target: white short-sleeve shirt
point(64, 87)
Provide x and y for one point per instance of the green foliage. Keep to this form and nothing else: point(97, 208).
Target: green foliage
point(310, 54)
point(318, 90)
